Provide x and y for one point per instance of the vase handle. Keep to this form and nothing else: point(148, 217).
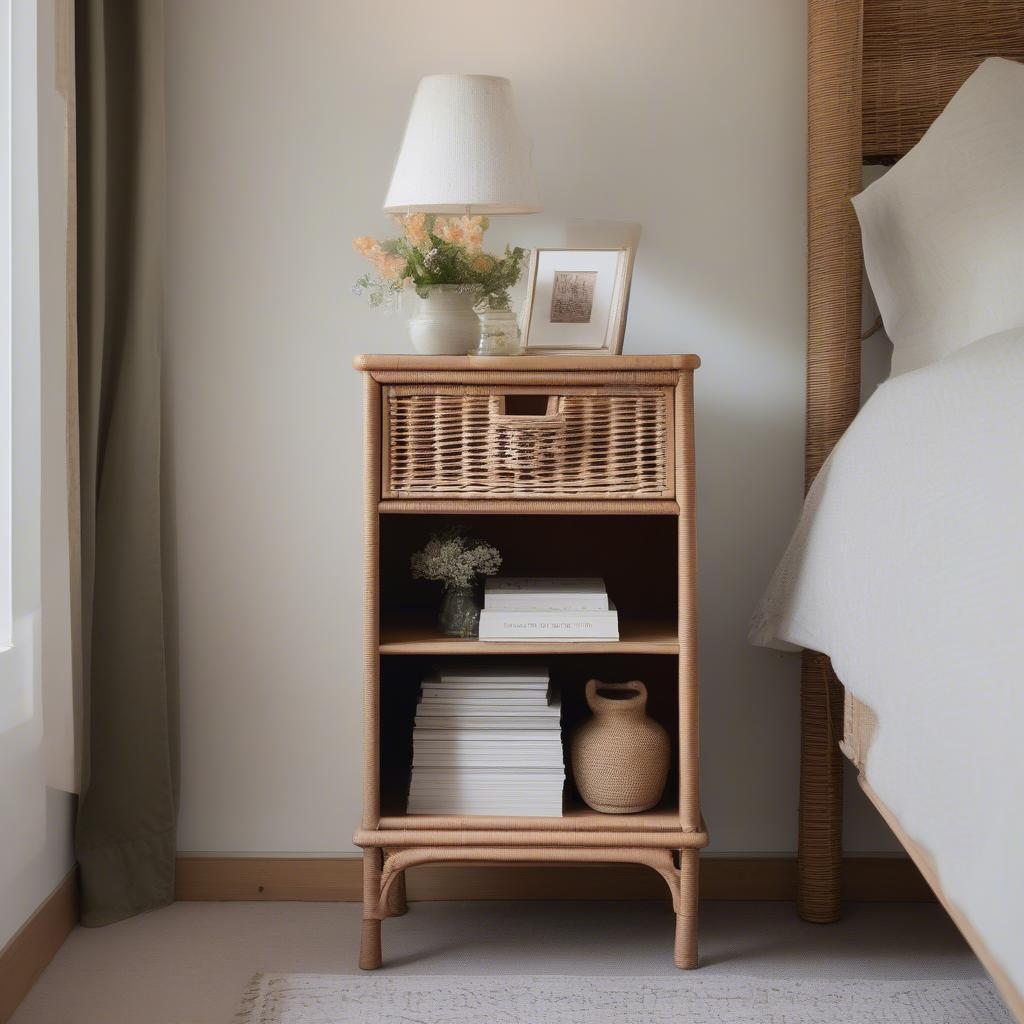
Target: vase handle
point(598, 703)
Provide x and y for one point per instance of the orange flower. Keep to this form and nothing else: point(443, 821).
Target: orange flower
point(473, 232)
point(467, 231)
point(389, 266)
point(483, 263)
point(414, 227)
point(448, 229)
point(366, 245)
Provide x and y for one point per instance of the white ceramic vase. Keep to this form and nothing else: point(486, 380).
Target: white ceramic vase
point(444, 323)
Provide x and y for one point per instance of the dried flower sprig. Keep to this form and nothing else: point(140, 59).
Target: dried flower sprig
point(455, 559)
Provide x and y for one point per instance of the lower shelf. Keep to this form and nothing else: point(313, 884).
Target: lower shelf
point(524, 835)
point(579, 826)
point(577, 817)
point(419, 635)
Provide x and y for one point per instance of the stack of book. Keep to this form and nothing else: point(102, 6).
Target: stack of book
point(487, 740)
point(519, 608)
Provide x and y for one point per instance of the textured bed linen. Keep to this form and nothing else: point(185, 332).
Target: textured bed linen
point(907, 569)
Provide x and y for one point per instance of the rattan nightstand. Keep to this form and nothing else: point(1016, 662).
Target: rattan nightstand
point(571, 466)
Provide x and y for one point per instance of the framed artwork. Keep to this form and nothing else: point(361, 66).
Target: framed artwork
point(576, 301)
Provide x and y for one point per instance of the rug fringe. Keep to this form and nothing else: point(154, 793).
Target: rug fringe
point(252, 1002)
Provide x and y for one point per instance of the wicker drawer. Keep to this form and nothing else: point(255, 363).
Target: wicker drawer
point(468, 442)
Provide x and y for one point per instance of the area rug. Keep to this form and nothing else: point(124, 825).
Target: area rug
point(693, 999)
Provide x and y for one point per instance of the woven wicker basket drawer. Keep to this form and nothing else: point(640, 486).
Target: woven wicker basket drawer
point(466, 442)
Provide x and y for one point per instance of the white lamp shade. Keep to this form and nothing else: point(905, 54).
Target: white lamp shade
point(463, 147)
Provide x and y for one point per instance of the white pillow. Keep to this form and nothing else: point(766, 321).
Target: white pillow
point(943, 231)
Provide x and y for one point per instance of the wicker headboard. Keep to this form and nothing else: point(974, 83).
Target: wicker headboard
point(879, 72)
point(917, 53)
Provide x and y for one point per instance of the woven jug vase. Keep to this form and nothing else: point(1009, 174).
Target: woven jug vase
point(619, 756)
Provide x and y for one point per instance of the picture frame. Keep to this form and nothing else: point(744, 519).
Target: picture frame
point(576, 300)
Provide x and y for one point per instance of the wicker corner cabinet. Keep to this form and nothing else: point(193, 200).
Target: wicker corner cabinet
point(571, 467)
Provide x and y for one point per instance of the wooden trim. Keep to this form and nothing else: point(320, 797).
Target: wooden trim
point(865, 879)
point(215, 878)
point(535, 378)
point(576, 817)
point(483, 505)
point(34, 945)
point(686, 622)
point(553, 840)
point(372, 413)
point(526, 364)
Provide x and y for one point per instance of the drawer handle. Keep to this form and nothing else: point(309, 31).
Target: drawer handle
point(552, 417)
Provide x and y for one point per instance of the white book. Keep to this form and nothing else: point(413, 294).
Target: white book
point(438, 738)
point(432, 710)
point(478, 758)
point(428, 709)
point(488, 794)
point(497, 751)
point(548, 809)
point(492, 695)
point(457, 776)
point(533, 734)
point(529, 593)
point(594, 625)
point(461, 691)
point(489, 791)
point(491, 675)
point(424, 761)
point(544, 585)
point(525, 706)
point(504, 747)
point(489, 722)
point(524, 803)
point(501, 758)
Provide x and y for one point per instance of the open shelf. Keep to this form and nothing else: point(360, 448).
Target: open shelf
point(400, 680)
point(413, 634)
point(635, 555)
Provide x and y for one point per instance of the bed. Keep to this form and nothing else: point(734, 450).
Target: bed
point(880, 71)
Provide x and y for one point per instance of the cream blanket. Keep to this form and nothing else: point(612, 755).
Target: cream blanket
point(907, 569)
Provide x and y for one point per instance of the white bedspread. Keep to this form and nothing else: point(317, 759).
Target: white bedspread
point(907, 569)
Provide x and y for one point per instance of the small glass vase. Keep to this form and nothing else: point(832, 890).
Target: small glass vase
point(499, 333)
point(460, 612)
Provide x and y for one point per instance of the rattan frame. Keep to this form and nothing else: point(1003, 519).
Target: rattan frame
point(665, 842)
point(879, 72)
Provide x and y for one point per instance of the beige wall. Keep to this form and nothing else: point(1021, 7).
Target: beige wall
point(684, 115)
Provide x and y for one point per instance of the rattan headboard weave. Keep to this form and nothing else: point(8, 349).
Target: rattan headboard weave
point(917, 53)
point(880, 71)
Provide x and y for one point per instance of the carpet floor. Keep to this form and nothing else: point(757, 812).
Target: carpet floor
point(690, 998)
point(191, 963)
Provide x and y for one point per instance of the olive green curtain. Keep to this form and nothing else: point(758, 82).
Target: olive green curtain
point(127, 813)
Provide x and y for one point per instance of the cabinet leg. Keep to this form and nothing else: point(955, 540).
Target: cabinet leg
point(397, 903)
point(685, 954)
point(369, 948)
